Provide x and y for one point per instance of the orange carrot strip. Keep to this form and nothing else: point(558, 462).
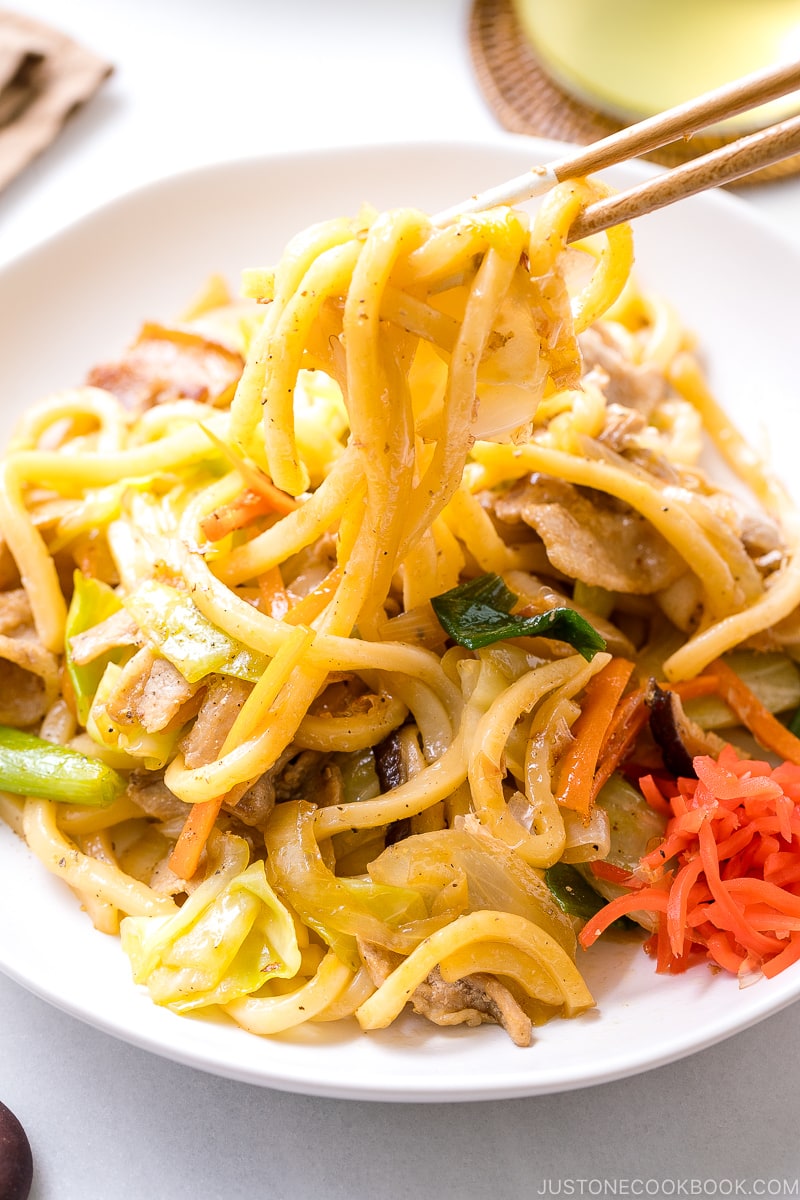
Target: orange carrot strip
point(185, 857)
point(736, 842)
point(576, 768)
point(734, 917)
point(252, 477)
point(614, 874)
point(68, 692)
point(305, 610)
point(691, 689)
point(244, 509)
point(721, 951)
point(766, 729)
point(647, 900)
point(273, 593)
point(279, 501)
point(665, 959)
point(237, 514)
point(755, 891)
point(783, 960)
point(628, 706)
point(678, 905)
point(629, 720)
point(673, 844)
point(654, 796)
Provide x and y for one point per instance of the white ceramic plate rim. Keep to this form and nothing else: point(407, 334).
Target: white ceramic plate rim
point(89, 286)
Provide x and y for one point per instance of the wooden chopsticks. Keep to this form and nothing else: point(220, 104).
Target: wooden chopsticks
point(731, 162)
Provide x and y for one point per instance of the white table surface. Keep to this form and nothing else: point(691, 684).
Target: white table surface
point(209, 79)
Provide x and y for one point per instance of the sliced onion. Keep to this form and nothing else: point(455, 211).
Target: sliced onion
point(504, 403)
point(586, 842)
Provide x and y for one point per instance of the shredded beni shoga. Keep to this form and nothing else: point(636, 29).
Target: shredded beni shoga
point(328, 617)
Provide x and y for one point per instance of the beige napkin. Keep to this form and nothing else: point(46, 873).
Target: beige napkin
point(44, 75)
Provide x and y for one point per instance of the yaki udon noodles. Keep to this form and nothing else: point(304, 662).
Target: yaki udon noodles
point(341, 622)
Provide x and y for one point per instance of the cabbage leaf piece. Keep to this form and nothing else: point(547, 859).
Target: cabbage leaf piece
point(181, 633)
point(230, 938)
point(92, 602)
point(478, 613)
point(339, 909)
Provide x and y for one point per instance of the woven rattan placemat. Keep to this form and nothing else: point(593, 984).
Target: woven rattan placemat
point(525, 99)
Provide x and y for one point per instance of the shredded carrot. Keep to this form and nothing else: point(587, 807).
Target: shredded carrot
point(305, 610)
point(678, 904)
point(765, 728)
point(251, 503)
point(654, 796)
point(724, 881)
point(185, 857)
point(648, 900)
point(785, 959)
point(576, 768)
point(273, 594)
point(252, 477)
point(613, 874)
point(722, 950)
point(236, 515)
point(248, 505)
point(279, 501)
point(691, 689)
point(630, 717)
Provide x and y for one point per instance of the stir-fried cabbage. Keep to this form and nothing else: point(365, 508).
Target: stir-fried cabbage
point(174, 624)
point(471, 871)
point(92, 602)
point(230, 938)
point(340, 910)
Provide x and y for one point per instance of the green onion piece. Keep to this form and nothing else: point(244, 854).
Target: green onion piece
point(572, 893)
point(576, 897)
point(30, 766)
point(478, 613)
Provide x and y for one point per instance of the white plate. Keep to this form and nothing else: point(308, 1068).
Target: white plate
point(80, 297)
